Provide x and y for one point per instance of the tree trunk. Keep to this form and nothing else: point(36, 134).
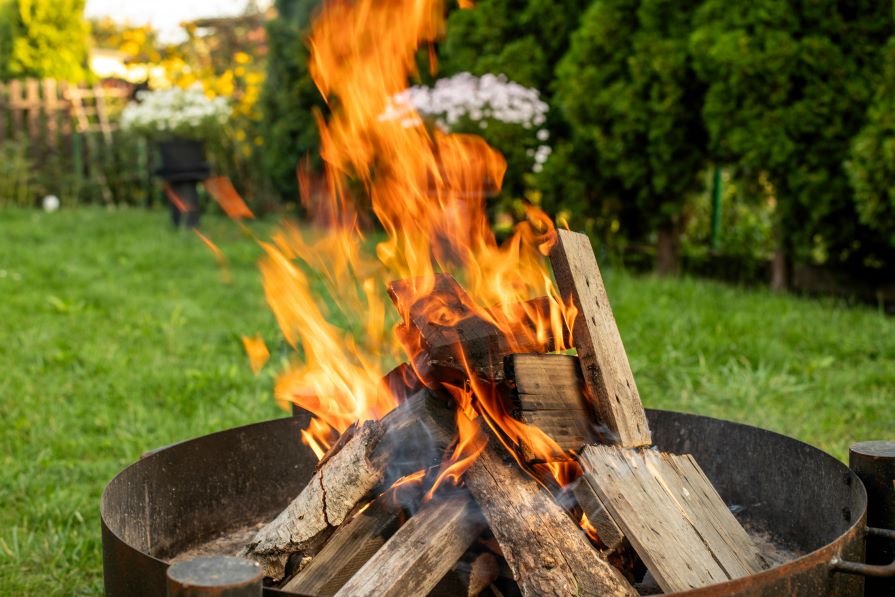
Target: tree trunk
point(668, 248)
point(780, 262)
point(779, 271)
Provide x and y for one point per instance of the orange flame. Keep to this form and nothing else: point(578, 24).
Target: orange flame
point(222, 190)
point(427, 189)
point(257, 352)
point(218, 255)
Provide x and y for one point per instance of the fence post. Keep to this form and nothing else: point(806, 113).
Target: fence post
point(15, 104)
point(4, 112)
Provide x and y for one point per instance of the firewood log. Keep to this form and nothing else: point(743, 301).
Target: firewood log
point(546, 550)
point(404, 441)
point(415, 558)
point(469, 338)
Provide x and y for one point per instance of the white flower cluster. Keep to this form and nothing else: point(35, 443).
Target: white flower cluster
point(180, 112)
point(480, 99)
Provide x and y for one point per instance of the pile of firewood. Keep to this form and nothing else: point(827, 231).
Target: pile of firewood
point(364, 524)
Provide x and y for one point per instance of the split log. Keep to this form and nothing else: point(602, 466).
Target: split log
point(445, 323)
point(422, 551)
point(349, 548)
point(672, 515)
point(607, 373)
point(607, 530)
point(547, 552)
point(406, 440)
point(548, 393)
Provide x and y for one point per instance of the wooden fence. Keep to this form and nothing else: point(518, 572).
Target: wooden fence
point(70, 131)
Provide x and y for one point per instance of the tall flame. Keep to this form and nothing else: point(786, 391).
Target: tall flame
point(427, 188)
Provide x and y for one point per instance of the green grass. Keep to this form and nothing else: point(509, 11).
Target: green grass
point(117, 335)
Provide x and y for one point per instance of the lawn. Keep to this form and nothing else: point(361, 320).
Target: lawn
point(118, 335)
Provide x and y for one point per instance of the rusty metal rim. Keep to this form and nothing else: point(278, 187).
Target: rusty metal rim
point(825, 556)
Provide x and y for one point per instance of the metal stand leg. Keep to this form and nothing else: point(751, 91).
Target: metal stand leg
point(215, 576)
point(874, 463)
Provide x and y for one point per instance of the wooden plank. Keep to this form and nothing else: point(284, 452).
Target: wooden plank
point(546, 550)
point(607, 530)
point(672, 515)
point(542, 376)
point(16, 106)
point(422, 551)
point(350, 547)
point(4, 111)
point(32, 98)
point(607, 373)
point(548, 393)
point(51, 109)
point(570, 429)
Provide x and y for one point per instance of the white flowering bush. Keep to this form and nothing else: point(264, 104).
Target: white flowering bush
point(176, 112)
point(507, 114)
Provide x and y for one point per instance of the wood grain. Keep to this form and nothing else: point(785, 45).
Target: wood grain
point(610, 535)
point(349, 548)
point(548, 393)
point(416, 557)
point(547, 552)
point(672, 515)
point(604, 364)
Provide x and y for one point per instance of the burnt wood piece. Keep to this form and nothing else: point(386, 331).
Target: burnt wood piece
point(445, 323)
point(407, 439)
point(548, 393)
point(416, 557)
point(547, 552)
point(610, 535)
point(607, 373)
point(349, 548)
point(672, 515)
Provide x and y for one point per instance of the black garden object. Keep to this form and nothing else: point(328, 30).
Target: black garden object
point(183, 166)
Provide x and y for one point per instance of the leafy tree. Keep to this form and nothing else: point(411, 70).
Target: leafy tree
point(289, 97)
point(43, 38)
point(788, 83)
point(628, 89)
point(872, 160)
point(522, 40)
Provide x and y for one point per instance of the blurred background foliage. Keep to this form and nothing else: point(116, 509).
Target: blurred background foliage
point(788, 103)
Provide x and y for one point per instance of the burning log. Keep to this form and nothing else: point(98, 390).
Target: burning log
point(333, 492)
point(547, 552)
point(405, 440)
point(462, 334)
point(672, 515)
point(547, 393)
point(415, 559)
point(607, 373)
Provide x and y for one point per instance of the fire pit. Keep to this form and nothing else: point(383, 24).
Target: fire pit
point(510, 452)
point(217, 489)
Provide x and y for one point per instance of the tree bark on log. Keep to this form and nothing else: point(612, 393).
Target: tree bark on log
point(547, 552)
point(409, 438)
point(331, 494)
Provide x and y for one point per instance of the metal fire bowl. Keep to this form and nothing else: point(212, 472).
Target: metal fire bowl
point(194, 491)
